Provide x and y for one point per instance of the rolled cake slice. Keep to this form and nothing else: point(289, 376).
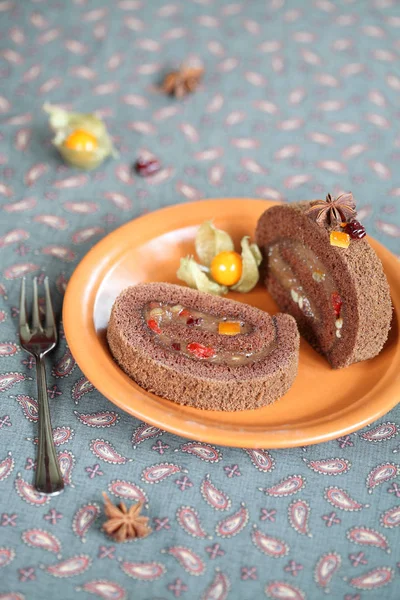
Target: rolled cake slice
point(339, 296)
point(202, 350)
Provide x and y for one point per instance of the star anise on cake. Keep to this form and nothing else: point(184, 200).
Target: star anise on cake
point(182, 82)
point(333, 210)
point(124, 524)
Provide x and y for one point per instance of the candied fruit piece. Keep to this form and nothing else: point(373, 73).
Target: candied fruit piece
point(318, 275)
point(176, 346)
point(200, 351)
point(229, 327)
point(355, 230)
point(184, 313)
point(339, 239)
point(177, 308)
point(152, 323)
point(193, 321)
point(147, 167)
point(336, 303)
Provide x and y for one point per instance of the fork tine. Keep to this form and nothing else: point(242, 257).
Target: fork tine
point(35, 307)
point(22, 306)
point(50, 321)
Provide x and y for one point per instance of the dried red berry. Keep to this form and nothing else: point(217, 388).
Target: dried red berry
point(355, 230)
point(154, 326)
point(176, 346)
point(336, 303)
point(145, 168)
point(200, 351)
point(192, 321)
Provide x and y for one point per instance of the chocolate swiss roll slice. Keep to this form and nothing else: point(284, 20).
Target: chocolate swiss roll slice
point(320, 268)
point(202, 350)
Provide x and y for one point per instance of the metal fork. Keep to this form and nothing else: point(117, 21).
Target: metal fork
point(39, 341)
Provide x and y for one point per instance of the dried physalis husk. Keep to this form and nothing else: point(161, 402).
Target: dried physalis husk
point(251, 260)
point(210, 241)
point(193, 274)
point(81, 139)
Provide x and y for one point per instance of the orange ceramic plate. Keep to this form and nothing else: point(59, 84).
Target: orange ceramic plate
point(322, 404)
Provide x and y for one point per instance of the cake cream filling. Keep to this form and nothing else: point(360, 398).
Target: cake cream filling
point(286, 277)
point(190, 320)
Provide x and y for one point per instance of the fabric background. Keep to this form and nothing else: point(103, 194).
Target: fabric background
point(299, 98)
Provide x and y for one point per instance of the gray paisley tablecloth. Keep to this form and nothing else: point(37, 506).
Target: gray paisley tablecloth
point(299, 98)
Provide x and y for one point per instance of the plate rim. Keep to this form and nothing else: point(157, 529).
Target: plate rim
point(232, 438)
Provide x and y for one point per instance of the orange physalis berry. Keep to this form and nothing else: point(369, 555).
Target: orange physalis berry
point(228, 327)
point(226, 268)
point(81, 140)
point(340, 239)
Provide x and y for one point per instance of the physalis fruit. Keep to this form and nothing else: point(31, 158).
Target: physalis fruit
point(220, 268)
point(81, 139)
point(226, 268)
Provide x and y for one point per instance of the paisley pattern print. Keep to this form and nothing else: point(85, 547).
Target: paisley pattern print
point(6, 466)
point(143, 571)
point(213, 496)
point(70, 567)
point(38, 538)
point(325, 568)
point(189, 520)
point(98, 419)
point(298, 99)
point(298, 514)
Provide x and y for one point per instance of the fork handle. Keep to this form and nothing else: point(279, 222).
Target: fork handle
point(48, 478)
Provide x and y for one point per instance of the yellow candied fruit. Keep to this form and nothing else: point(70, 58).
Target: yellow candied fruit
point(81, 140)
point(340, 239)
point(318, 275)
point(228, 327)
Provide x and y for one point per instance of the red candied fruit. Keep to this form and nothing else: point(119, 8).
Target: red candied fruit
point(145, 168)
point(176, 346)
point(192, 321)
point(154, 326)
point(355, 230)
point(337, 303)
point(200, 351)
point(184, 313)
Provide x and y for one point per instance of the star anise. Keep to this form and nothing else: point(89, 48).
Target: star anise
point(182, 82)
point(333, 210)
point(124, 524)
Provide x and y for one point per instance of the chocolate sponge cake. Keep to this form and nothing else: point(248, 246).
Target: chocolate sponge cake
point(202, 350)
point(320, 268)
